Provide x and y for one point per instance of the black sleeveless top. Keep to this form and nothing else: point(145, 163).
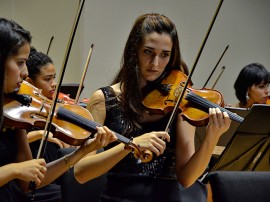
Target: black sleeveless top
point(161, 167)
point(8, 151)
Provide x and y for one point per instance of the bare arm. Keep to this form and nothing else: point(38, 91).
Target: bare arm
point(93, 166)
point(26, 170)
point(100, 163)
point(190, 164)
point(23, 169)
point(38, 134)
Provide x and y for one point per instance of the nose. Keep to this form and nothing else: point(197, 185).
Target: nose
point(267, 91)
point(24, 72)
point(155, 61)
point(54, 83)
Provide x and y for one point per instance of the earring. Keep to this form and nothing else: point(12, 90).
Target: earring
point(247, 97)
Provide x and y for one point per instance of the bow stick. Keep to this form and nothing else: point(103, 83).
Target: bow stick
point(175, 109)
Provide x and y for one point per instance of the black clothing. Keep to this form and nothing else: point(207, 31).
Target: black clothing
point(10, 192)
point(51, 192)
point(129, 180)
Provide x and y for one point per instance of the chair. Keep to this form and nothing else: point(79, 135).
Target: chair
point(74, 191)
point(195, 193)
point(238, 186)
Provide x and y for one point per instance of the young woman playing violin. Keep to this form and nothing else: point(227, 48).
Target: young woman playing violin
point(252, 86)
point(42, 75)
point(17, 169)
point(152, 49)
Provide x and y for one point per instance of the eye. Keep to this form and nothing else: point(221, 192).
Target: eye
point(147, 51)
point(262, 86)
point(165, 54)
point(20, 64)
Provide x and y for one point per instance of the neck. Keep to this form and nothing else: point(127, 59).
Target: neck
point(248, 105)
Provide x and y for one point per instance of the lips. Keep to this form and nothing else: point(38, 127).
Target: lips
point(19, 84)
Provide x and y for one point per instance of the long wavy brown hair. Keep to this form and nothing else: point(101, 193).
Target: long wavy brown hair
point(128, 76)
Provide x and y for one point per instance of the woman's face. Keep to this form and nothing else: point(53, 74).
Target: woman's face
point(153, 56)
point(45, 80)
point(258, 93)
point(16, 69)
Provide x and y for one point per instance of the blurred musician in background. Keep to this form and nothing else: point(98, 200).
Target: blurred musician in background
point(252, 86)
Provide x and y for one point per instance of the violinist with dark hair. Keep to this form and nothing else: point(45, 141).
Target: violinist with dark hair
point(41, 74)
point(252, 86)
point(17, 166)
point(152, 51)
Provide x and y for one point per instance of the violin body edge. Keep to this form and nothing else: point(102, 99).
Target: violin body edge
point(197, 115)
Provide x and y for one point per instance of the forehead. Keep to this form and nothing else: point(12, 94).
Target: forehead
point(23, 51)
point(155, 39)
point(47, 69)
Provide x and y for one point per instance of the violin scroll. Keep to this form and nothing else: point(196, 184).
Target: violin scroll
point(142, 156)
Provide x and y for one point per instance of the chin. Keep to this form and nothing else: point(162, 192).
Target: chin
point(13, 90)
point(151, 78)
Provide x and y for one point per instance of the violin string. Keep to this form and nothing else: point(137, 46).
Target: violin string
point(232, 115)
point(86, 123)
point(206, 103)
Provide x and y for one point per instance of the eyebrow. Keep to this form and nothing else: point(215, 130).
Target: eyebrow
point(166, 51)
point(22, 58)
point(49, 75)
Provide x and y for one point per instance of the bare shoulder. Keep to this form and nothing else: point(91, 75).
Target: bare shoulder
point(96, 100)
point(117, 89)
point(97, 96)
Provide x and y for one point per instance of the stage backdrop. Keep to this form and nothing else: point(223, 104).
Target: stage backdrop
point(241, 24)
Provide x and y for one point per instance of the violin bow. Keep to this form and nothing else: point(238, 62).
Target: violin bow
point(215, 66)
point(180, 98)
point(214, 84)
point(44, 139)
point(49, 45)
point(84, 73)
point(61, 75)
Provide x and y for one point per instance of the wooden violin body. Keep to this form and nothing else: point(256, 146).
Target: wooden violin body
point(268, 101)
point(72, 124)
point(35, 114)
point(194, 107)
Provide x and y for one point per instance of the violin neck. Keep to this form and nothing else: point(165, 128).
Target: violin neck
point(85, 123)
point(206, 104)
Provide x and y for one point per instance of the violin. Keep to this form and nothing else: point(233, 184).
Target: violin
point(72, 124)
point(194, 108)
point(268, 101)
point(65, 99)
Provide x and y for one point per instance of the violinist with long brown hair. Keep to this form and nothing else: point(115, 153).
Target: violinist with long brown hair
point(17, 168)
point(252, 86)
point(152, 50)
